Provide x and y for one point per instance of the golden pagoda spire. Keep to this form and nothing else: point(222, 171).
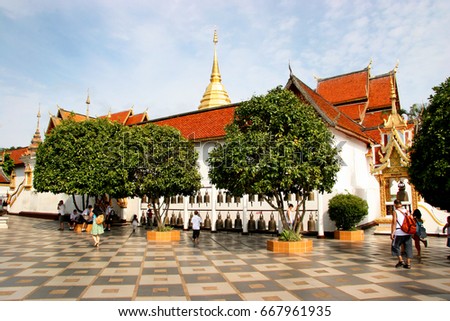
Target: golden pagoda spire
point(215, 94)
point(37, 140)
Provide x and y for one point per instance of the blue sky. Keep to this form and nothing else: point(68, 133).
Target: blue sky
point(157, 55)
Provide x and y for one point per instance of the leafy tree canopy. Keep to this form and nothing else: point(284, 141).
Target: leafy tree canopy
point(276, 145)
point(7, 164)
point(430, 152)
point(83, 158)
point(98, 157)
point(162, 164)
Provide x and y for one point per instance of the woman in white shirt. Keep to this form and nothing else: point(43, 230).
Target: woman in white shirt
point(399, 237)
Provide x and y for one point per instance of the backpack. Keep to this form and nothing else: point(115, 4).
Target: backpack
point(421, 231)
point(409, 224)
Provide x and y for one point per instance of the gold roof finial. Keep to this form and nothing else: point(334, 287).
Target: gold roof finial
point(88, 102)
point(36, 140)
point(216, 39)
point(39, 116)
point(215, 94)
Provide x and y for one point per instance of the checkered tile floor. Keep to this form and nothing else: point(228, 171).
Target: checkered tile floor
point(38, 262)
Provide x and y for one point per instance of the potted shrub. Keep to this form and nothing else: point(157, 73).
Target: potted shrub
point(347, 210)
point(290, 242)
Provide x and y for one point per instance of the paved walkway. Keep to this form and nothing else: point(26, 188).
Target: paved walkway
point(38, 262)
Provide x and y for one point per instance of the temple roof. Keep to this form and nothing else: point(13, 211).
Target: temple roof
point(16, 154)
point(329, 113)
point(345, 88)
point(126, 117)
point(380, 92)
point(203, 124)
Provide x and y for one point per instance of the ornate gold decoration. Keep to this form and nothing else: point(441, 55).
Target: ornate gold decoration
point(394, 157)
point(215, 94)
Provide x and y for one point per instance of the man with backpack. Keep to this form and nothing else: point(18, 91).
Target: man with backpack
point(402, 229)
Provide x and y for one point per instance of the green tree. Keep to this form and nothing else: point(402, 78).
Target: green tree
point(83, 158)
point(161, 164)
point(274, 147)
point(7, 164)
point(430, 152)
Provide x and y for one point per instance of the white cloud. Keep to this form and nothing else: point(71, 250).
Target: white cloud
point(158, 54)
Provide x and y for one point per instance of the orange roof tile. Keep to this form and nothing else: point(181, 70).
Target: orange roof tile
point(120, 117)
point(374, 134)
point(375, 119)
point(202, 124)
point(16, 154)
point(136, 119)
point(344, 88)
point(327, 111)
point(354, 111)
point(65, 114)
point(3, 177)
point(379, 92)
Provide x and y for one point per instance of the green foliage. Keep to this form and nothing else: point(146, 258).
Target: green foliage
point(289, 236)
point(162, 162)
point(7, 164)
point(430, 153)
point(163, 228)
point(347, 211)
point(98, 157)
point(83, 158)
point(275, 146)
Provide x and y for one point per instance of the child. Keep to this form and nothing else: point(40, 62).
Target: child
point(134, 222)
point(447, 227)
point(421, 234)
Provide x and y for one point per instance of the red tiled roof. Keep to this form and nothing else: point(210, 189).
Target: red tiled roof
point(136, 119)
point(354, 111)
point(3, 178)
point(380, 92)
point(65, 114)
point(344, 88)
point(203, 124)
point(327, 111)
point(375, 119)
point(120, 117)
point(374, 134)
point(16, 154)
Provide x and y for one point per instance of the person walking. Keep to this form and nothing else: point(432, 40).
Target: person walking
point(447, 227)
point(61, 212)
point(421, 234)
point(399, 237)
point(108, 216)
point(134, 223)
point(97, 229)
point(196, 221)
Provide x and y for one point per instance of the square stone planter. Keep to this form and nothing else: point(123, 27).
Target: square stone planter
point(353, 236)
point(167, 236)
point(302, 246)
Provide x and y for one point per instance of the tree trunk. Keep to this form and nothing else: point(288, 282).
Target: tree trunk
point(75, 203)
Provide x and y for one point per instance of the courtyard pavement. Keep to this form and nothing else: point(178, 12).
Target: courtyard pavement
point(38, 262)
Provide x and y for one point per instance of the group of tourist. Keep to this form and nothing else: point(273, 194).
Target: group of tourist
point(402, 241)
point(86, 218)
